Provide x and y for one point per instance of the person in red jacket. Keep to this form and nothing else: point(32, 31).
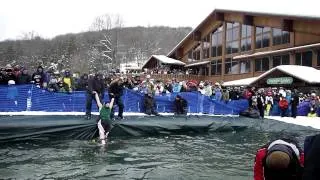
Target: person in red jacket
point(282, 159)
point(283, 105)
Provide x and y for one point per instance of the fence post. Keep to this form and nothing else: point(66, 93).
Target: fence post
point(29, 99)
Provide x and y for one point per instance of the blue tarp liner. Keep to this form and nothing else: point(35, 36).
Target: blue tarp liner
point(31, 98)
point(38, 128)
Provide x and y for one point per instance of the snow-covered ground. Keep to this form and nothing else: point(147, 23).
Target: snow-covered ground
point(313, 122)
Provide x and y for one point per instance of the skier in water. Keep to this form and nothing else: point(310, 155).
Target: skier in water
point(104, 122)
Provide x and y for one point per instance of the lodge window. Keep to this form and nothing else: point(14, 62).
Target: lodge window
point(244, 66)
point(190, 56)
point(216, 67)
point(281, 60)
point(262, 64)
point(206, 47)
point(304, 59)
point(232, 39)
point(280, 37)
point(196, 52)
point(245, 38)
point(318, 58)
point(217, 42)
point(262, 37)
point(231, 66)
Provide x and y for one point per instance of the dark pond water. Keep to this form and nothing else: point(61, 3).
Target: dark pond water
point(214, 155)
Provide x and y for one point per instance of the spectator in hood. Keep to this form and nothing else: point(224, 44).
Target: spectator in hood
point(39, 77)
point(2, 76)
point(150, 104)
point(63, 87)
point(53, 85)
point(17, 70)
point(24, 77)
point(168, 87)
point(94, 84)
point(9, 74)
point(176, 87)
point(127, 83)
point(83, 83)
point(181, 105)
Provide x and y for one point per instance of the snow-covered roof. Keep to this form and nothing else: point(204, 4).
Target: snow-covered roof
point(165, 60)
point(304, 73)
point(240, 82)
point(275, 51)
point(197, 63)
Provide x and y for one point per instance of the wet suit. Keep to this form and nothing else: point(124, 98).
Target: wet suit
point(104, 123)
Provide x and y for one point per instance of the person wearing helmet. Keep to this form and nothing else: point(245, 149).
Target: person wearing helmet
point(68, 80)
point(63, 87)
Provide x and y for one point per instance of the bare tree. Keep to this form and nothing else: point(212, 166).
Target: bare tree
point(107, 46)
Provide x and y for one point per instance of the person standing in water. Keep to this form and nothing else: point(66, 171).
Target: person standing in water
point(104, 123)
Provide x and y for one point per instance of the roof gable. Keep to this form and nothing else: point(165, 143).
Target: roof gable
point(217, 15)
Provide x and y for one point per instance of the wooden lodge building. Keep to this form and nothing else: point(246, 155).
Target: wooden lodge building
point(230, 45)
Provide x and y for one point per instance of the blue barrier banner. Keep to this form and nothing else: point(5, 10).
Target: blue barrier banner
point(30, 98)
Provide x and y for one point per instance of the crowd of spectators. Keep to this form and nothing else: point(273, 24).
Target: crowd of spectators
point(166, 70)
point(263, 99)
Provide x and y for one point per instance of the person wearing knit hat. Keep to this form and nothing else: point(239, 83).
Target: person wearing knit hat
point(281, 159)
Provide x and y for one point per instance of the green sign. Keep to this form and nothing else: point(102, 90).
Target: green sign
point(280, 80)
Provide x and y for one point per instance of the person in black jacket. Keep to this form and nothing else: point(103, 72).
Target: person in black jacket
point(40, 76)
point(116, 91)
point(83, 83)
point(180, 105)
point(312, 158)
point(261, 104)
point(2, 77)
point(150, 104)
point(95, 84)
point(24, 77)
point(294, 103)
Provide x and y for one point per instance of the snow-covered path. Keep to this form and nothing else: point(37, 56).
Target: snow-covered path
point(313, 122)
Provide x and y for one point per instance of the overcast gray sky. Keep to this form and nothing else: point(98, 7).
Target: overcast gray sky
point(53, 17)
